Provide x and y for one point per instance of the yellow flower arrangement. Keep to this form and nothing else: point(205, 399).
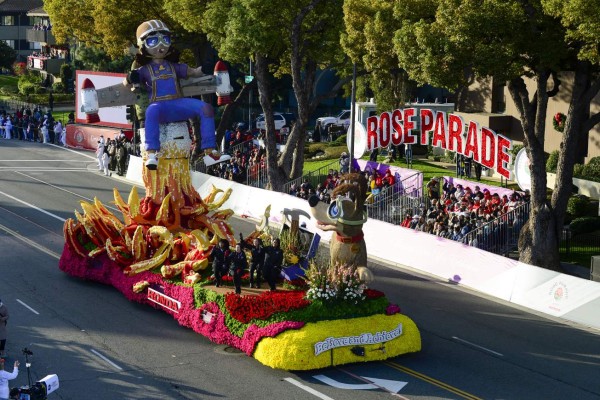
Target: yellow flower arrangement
point(295, 349)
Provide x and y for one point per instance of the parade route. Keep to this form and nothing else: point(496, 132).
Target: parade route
point(102, 346)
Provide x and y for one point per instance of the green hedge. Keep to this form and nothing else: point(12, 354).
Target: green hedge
point(585, 225)
point(578, 206)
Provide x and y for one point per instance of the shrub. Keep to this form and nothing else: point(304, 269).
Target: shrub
point(591, 171)
point(28, 82)
point(515, 150)
point(19, 68)
point(552, 162)
point(585, 225)
point(578, 170)
point(58, 87)
point(340, 141)
point(578, 206)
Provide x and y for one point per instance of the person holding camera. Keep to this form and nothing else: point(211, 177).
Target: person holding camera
point(5, 376)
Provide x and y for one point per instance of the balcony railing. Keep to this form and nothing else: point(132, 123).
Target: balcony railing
point(40, 36)
point(50, 65)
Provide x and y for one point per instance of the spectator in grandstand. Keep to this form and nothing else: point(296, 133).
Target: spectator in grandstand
point(388, 179)
point(433, 188)
point(407, 221)
point(376, 183)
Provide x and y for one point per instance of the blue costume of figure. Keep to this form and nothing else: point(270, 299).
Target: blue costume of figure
point(161, 80)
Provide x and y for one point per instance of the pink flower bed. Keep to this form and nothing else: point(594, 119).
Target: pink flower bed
point(102, 269)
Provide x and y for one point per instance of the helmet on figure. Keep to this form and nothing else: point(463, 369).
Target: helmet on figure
point(149, 27)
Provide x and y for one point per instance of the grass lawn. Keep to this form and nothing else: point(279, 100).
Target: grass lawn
point(9, 81)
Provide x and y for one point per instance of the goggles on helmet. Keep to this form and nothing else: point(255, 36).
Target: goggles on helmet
point(155, 39)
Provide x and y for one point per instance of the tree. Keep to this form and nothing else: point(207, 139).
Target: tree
point(8, 55)
point(512, 41)
point(369, 26)
point(281, 37)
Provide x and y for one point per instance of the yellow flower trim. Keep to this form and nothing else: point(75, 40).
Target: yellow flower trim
point(295, 349)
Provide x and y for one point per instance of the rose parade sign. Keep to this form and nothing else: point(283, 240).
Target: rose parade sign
point(448, 131)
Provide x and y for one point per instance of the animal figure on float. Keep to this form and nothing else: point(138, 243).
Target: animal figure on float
point(345, 216)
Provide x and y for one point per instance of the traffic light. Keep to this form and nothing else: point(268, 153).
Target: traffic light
point(130, 113)
point(70, 86)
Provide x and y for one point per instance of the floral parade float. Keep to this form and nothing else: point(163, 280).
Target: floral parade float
point(157, 253)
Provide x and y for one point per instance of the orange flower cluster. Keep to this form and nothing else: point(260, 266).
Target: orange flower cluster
point(247, 308)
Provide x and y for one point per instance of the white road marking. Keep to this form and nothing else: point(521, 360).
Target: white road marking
point(477, 346)
point(107, 360)
point(307, 388)
point(30, 242)
point(14, 161)
point(66, 191)
point(78, 152)
point(374, 383)
point(25, 305)
point(42, 169)
point(32, 206)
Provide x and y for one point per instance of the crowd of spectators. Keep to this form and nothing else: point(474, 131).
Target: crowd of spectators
point(456, 210)
point(41, 26)
point(247, 158)
point(31, 125)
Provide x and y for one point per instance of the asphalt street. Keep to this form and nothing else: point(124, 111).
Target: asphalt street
point(104, 347)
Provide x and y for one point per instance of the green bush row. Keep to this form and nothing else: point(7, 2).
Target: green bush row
point(585, 225)
point(589, 171)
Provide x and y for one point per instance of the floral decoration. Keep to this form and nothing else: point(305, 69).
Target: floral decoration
point(294, 350)
point(340, 282)
point(247, 308)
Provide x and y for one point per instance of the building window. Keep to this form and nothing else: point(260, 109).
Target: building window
point(8, 20)
point(10, 43)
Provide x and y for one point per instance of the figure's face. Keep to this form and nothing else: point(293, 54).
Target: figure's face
point(157, 44)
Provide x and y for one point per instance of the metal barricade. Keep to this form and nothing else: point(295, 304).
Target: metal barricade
point(501, 235)
point(315, 177)
point(394, 202)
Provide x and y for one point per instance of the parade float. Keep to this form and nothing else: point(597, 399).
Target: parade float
point(157, 252)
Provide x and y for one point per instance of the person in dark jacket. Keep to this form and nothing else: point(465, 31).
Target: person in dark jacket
point(273, 262)
point(258, 259)
point(220, 256)
point(237, 264)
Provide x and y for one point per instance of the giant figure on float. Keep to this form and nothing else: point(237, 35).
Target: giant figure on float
point(159, 76)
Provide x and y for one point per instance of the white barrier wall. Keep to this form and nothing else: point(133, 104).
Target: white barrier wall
point(549, 292)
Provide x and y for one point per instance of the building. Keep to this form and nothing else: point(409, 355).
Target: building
point(489, 103)
point(14, 23)
point(48, 56)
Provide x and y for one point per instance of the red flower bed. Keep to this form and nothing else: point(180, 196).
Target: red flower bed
point(373, 294)
point(247, 308)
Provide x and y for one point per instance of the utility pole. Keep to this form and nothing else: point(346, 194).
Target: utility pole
point(352, 117)
point(250, 102)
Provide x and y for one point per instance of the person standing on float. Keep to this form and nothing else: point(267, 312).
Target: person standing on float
point(159, 75)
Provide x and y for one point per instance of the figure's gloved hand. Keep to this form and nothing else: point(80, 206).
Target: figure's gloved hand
point(134, 78)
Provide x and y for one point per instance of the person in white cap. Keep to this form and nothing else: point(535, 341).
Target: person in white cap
point(100, 153)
